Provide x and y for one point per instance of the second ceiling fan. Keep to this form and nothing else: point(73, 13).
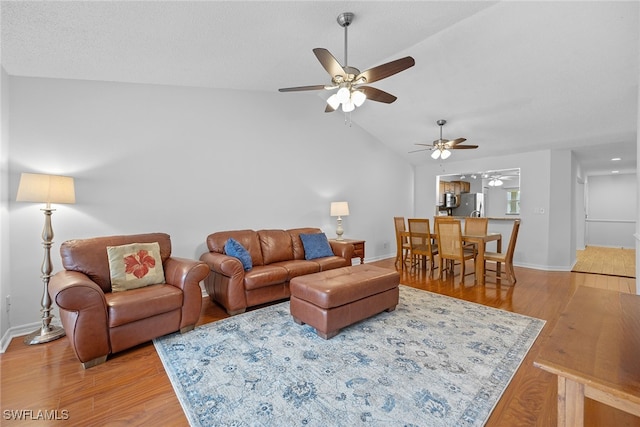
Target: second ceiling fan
point(441, 147)
point(349, 81)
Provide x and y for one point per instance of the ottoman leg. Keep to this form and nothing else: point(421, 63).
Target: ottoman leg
point(298, 321)
point(328, 335)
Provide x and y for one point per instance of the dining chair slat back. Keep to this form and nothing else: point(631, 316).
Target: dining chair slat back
point(401, 241)
point(420, 242)
point(475, 227)
point(451, 246)
point(505, 258)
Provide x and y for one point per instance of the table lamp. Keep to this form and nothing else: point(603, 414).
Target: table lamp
point(339, 209)
point(41, 188)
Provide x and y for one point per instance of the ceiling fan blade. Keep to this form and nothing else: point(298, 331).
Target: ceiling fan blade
point(301, 88)
point(460, 147)
point(456, 141)
point(426, 145)
point(424, 149)
point(377, 95)
point(385, 70)
point(329, 62)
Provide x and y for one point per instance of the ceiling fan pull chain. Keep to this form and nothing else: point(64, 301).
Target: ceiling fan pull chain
point(347, 119)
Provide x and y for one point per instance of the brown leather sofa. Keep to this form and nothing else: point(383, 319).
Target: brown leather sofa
point(99, 322)
point(277, 257)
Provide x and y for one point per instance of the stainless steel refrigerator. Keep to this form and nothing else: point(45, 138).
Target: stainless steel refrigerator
point(470, 203)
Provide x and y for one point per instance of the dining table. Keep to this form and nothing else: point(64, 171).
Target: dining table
point(480, 240)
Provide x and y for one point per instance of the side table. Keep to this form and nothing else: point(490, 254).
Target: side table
point(358, 247)
point(594, 350)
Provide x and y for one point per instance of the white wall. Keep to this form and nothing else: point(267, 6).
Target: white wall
point(190, 161)
point(4, 201)
point(561, 252)
point(611, 210)
point(637, 233)
point(533, 246)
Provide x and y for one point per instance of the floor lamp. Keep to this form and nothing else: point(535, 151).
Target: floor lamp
point(47, 189)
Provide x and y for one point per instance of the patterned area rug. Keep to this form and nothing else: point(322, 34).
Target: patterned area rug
point(434, 361)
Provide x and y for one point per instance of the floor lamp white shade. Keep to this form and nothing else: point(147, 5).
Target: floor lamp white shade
point(339, 209)
point(42, 188)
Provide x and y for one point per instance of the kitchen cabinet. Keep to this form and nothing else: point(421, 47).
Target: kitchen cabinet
point(455, 187)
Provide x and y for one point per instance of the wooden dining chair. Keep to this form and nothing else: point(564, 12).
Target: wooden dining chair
point(421, 246)
point(477, 227)
point(451, 247)
point(402, 242)
point(505, 258)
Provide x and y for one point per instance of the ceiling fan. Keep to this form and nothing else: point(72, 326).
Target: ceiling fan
point(441, 147)
point(349, 80)
point(496, 180)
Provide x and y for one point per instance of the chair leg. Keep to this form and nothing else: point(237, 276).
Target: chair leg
point(462, 263)
point(511, 273)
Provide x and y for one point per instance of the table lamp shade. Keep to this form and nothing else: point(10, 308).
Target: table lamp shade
point(42, 188)
point(339, 209)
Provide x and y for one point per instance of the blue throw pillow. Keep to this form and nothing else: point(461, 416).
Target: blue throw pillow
point(316, 246)
point(235, 249)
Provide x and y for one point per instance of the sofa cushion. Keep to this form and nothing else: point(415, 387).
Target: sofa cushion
point(247, 238)
point(265, 275)
point(298, 249)
point(134, 266)
point(331, 262)
point(89, 256)
point(299, 267)
point(276, 246)
point(316, 246)
point(235, 249)
point(141, 303)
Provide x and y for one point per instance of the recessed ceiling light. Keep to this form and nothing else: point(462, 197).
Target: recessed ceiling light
point(616, 159)
point(615, 171)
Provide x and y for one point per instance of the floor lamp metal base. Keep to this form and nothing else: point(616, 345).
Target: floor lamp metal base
point(40, 337)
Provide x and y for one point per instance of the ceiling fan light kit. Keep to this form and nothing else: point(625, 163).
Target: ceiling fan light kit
point(441, 153)
point(349, 80)
point(441, 147)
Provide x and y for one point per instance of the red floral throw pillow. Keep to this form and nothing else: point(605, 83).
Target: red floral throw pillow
point(134, 266)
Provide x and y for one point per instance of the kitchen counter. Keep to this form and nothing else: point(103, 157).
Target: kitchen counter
point(491, 218)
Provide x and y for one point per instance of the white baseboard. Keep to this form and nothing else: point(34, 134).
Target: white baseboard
point(19, 331)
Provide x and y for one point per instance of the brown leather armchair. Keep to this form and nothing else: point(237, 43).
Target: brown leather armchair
point(99, 322)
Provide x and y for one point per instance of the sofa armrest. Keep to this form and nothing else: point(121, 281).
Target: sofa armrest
point(225, 283)
point(83, 312)
point(342, 249)
point(187, 274)
point(223, 264)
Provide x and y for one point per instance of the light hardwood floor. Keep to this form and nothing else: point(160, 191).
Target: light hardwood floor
point(133, 389)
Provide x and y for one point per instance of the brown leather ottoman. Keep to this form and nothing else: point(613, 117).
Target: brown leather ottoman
point(333, 299)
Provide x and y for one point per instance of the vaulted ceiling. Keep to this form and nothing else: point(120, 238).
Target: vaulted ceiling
point(509, 76)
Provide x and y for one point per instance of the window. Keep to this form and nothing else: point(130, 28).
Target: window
point(513, 201)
